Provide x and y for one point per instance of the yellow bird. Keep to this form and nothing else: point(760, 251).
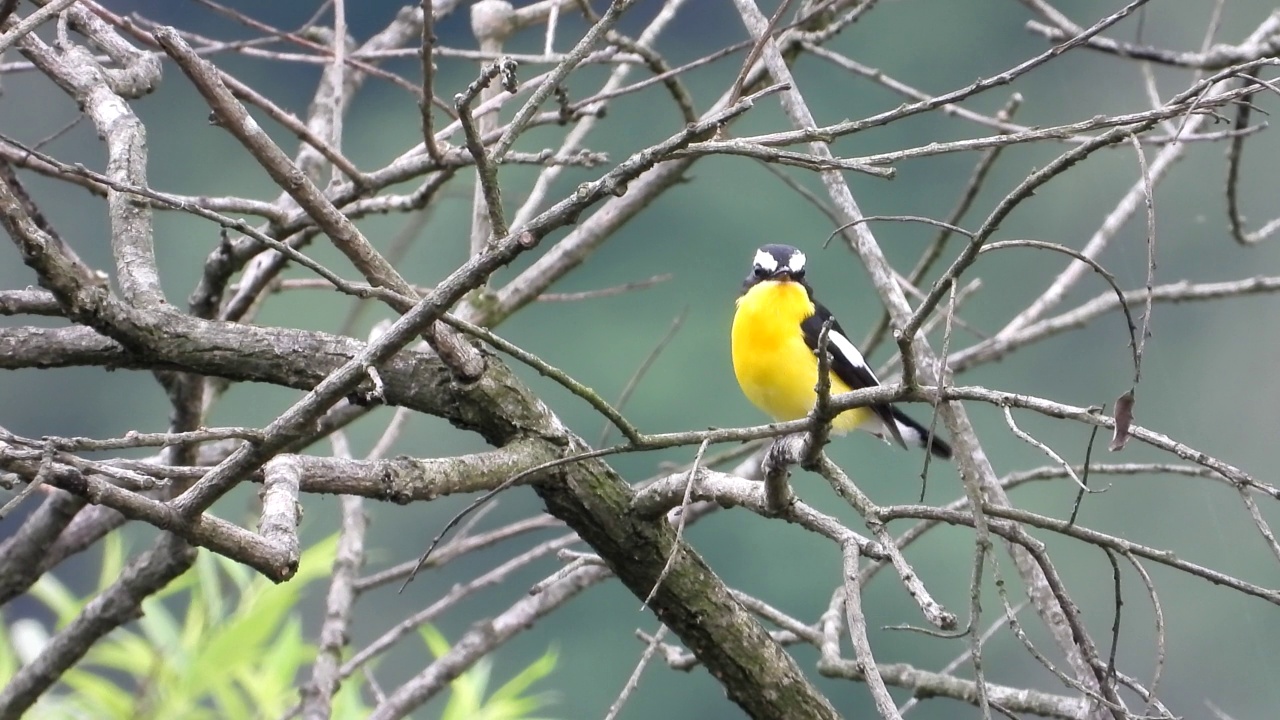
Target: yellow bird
point(775, 344)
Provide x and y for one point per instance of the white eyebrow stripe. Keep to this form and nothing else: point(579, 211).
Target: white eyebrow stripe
point(842, 345)
point(795, 263)
point(766, 261)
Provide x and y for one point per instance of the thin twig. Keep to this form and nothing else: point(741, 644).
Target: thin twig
point(426, 50)
point(678, 545)
point(634, 381)
point(633, 682)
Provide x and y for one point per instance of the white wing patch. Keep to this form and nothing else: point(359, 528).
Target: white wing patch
point(795, 263)
point(910, 435)
point(846, 348)
point(766, 261)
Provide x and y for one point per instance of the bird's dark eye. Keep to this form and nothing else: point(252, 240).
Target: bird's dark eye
point(760, 272)
point(798, 274)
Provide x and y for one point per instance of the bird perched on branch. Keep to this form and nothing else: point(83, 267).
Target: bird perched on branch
point(775, 343)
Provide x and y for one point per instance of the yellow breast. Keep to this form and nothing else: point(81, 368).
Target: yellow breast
point(775, 368)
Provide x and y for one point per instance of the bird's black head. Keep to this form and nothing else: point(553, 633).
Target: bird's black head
point(776, 262)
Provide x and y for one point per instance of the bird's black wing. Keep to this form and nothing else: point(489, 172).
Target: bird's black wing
point(847, 363)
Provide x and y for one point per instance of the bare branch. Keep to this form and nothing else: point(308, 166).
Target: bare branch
point(146, 574)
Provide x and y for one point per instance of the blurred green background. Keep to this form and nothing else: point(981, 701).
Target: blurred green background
point(1209, 374)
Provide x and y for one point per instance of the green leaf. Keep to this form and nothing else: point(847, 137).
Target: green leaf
point(230, 702)
point(54, 595)
point(239, 651)
point(509, 702)
point(8, 656)
point(104, 697)
point(271, 685)
point(347, 702)
point(241, 576)
point(113, 555)
point(538, 670)
point(246, 634)
point(195, 626)
point(125, 652)
point(467, 697)
point(317, 561)
point(182, 583)
point(288, 653)
point(434, 639)
point(160, 626)
point(209, 589)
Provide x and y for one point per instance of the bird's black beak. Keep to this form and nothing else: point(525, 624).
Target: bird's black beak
point(779, 275)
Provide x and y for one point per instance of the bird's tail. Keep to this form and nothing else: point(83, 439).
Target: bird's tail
point(913, 433)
